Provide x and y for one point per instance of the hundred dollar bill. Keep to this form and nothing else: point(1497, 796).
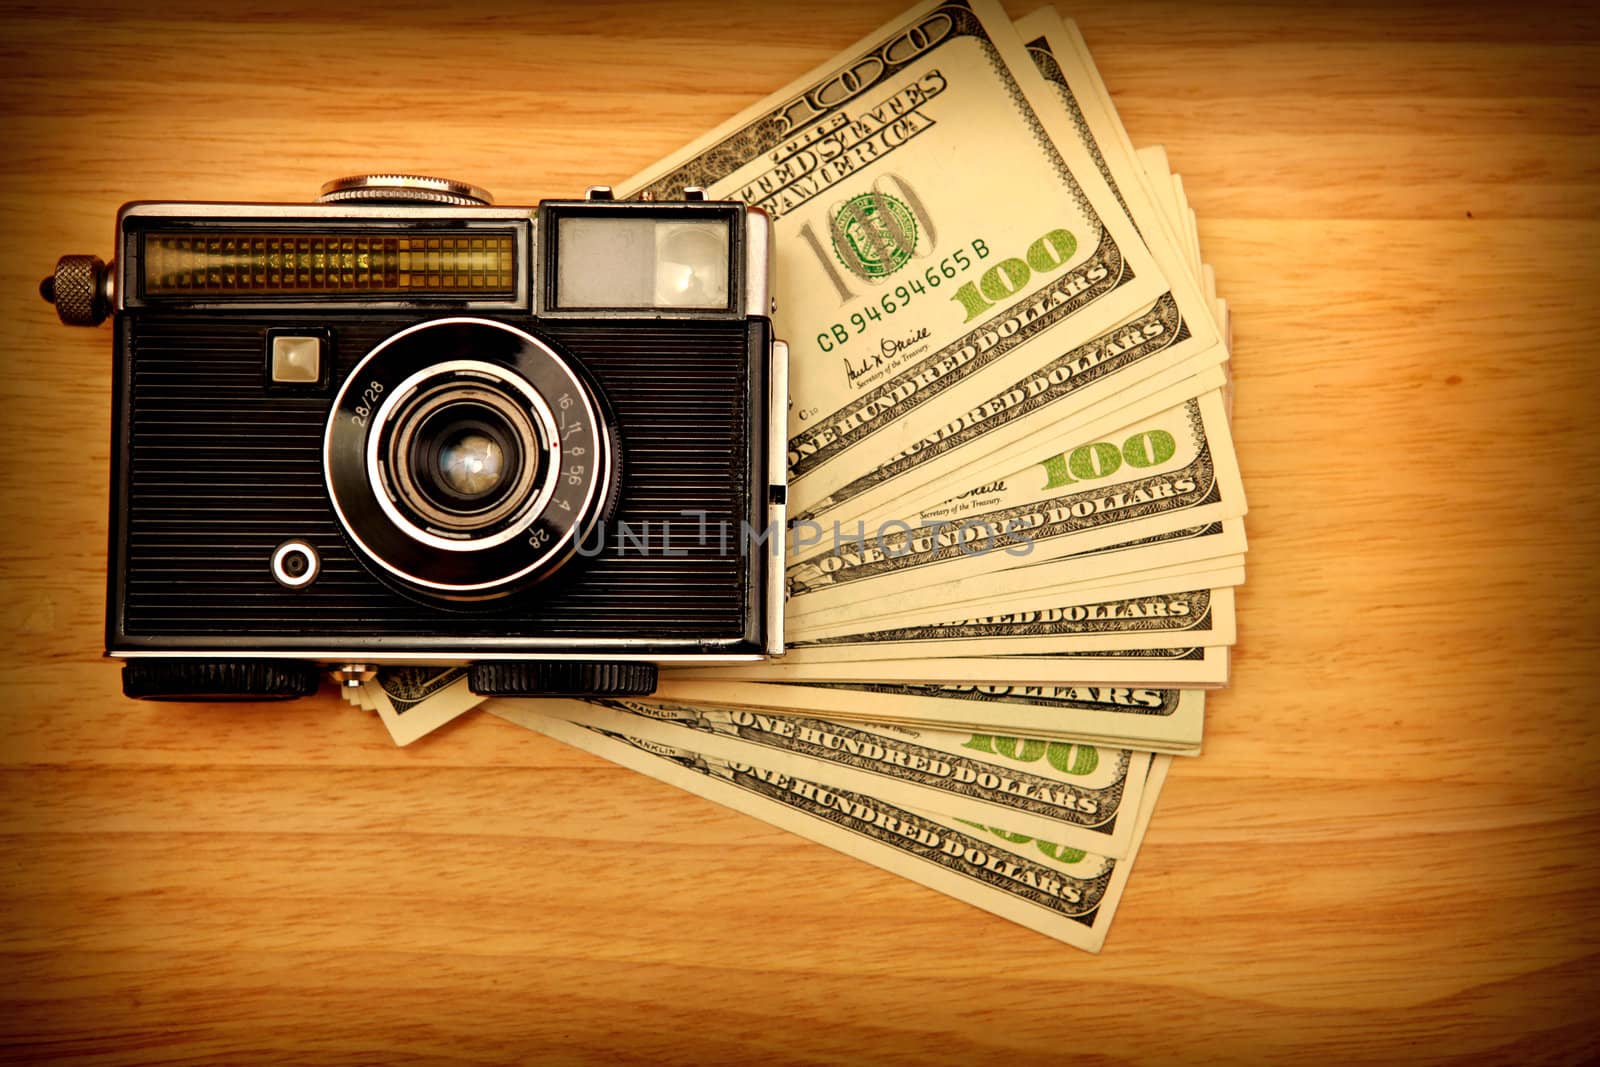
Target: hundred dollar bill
point(1165, 473)
point(1063, 60)
point(415, 701)
point(1073, 794)
point(1153, 165)
point(1065, 893)
point(1202, 666)
point(890, 499)
point(1167, 720)
point(1043, 34)
point(939, 232)
point(1155, 616)
point(1158, 169)
point(1200, 548)
point(1116, 743)
point(1191, 223)
point(1158, 187)
point(1030, 407)
point(1213, 574)
point(1178, 460)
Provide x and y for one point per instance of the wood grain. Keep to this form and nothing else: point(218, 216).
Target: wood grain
point(1387, 851)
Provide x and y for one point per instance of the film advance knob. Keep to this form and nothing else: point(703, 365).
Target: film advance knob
point(80, 288)
point(403, 189)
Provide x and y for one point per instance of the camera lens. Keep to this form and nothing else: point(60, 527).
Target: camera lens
point(470, 463)
point(464, 456)
point(467, 459)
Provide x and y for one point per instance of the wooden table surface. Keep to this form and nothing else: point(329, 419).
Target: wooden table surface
point(1387, 852)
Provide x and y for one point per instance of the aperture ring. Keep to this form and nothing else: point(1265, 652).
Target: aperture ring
point(573, 485)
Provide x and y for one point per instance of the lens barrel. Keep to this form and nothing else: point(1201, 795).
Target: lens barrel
point(466, 459)
point(461, 457)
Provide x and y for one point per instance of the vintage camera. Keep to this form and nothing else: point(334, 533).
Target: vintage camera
point(401, 425)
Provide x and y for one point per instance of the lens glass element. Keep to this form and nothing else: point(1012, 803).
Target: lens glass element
point(464, 456)
point(471, 463)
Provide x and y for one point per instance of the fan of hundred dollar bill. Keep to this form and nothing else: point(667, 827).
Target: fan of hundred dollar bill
point(1011, 388)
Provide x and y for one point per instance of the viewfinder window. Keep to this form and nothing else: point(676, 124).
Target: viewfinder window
point(622, 262)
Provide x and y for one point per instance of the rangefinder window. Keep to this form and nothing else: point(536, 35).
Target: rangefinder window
point(252, 263)
point(637, 261)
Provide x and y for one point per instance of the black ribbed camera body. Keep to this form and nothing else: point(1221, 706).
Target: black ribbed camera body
point(370, 433)
point(216, 470)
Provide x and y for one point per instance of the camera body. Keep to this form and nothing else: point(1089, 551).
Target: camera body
point(404, 426)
